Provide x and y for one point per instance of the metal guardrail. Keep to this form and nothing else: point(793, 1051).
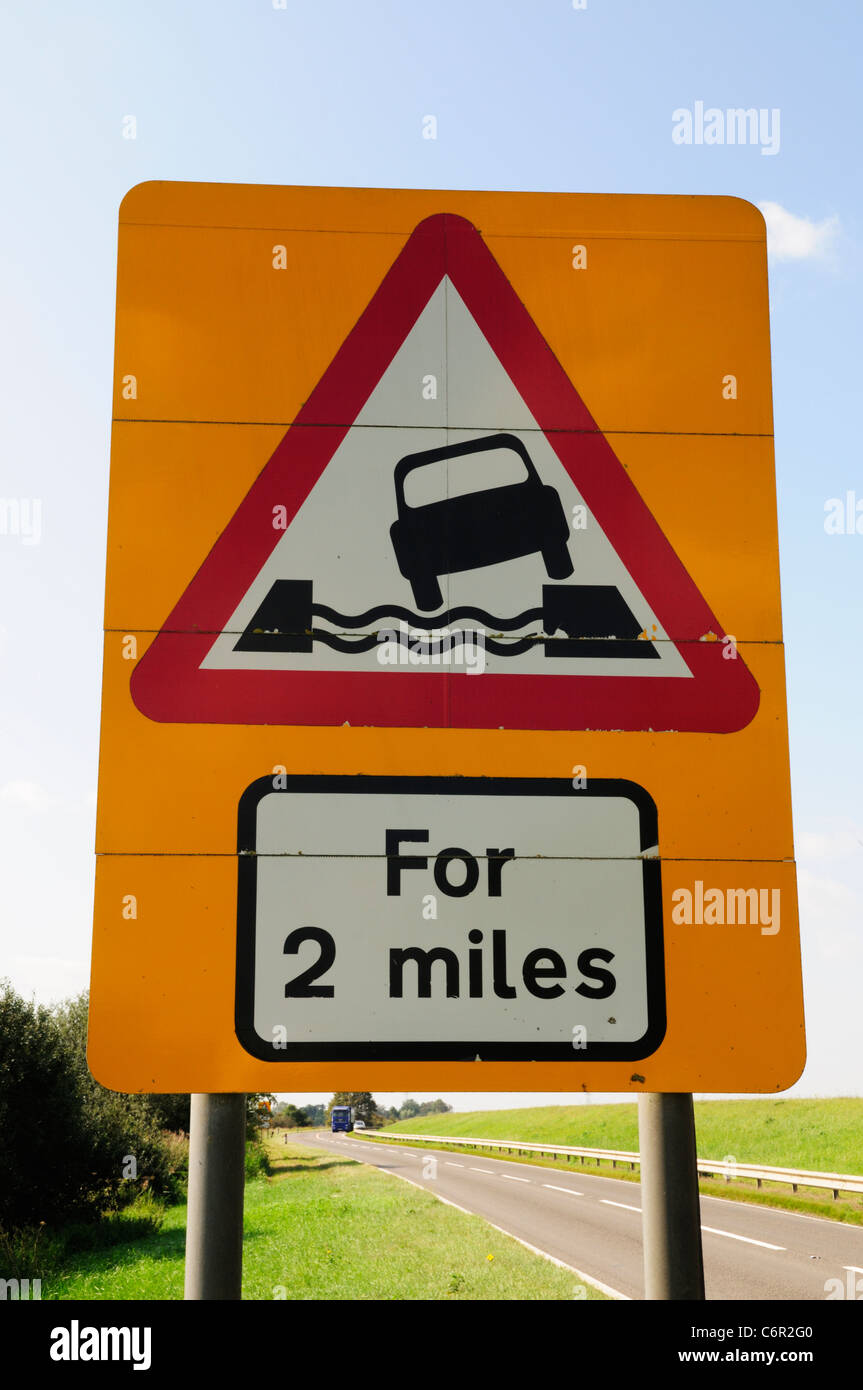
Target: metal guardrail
point(793, 1177)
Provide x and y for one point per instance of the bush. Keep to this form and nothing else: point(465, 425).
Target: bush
point(72, 1149)
point(175, 1149)
point(257, 1163)
point(46, 1159)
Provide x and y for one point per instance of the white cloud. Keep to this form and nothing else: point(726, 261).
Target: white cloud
point(830, 916)
point(28, 796)
point(837, 844)
point(791, 238)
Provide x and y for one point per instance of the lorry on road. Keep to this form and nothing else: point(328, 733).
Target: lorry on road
point(342, 1119)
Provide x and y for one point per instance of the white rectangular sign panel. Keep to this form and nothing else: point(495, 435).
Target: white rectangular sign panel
point(458, 918)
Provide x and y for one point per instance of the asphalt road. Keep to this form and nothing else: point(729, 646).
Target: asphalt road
point(593, 1223)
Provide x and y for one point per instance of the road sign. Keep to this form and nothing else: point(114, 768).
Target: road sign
point(559, 585)
point(450, 514)
point(448, 918)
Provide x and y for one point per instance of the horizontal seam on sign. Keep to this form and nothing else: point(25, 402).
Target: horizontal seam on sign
point(358, 632)
point(522, 429)
point(534, 1249)
point(562, 235)
point(750, 1240)
point(666, 859)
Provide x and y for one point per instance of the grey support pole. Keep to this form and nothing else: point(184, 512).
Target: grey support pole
point(214, 1219)
point(671, 1217)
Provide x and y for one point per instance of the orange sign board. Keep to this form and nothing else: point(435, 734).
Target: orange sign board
point(444, 740)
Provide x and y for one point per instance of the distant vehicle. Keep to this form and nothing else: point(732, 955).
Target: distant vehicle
point(476, 528)
point(342, 1119)
point(359, 1124)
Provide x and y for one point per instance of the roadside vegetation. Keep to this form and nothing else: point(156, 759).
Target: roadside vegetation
point(93, 1195)
point(82, 1168)
point(320, 1226)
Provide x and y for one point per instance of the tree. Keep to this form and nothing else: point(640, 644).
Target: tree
point(258, 1108)
point(409, 1109)
point(434, 1107)
point(289, 1117)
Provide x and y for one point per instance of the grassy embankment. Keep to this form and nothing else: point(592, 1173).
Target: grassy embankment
point(818, 1135)
point(326, 1227)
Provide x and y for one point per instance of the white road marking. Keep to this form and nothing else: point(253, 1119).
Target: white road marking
point(571, 1190)
point(453, 1165)
point(490, 1171)
point(732, 1235)
point(607, 1202)
point(511, 1178)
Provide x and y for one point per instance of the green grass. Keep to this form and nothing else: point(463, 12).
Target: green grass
point(326, 1227)
point(822, 1135)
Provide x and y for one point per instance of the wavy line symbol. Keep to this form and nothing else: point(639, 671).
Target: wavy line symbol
point(594, 620)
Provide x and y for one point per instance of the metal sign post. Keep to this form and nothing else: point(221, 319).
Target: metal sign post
point(214, 1220)
point(671, 1217)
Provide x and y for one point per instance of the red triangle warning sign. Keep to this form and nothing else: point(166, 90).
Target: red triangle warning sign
point(445, 538)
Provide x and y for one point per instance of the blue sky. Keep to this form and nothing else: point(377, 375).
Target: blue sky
point(535, 97)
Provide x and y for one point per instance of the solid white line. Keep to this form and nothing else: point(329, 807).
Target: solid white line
point(509, 1177)
point(448, 1164)
point(483, 1170)
point(571, 1190)
point(534, 1249)
point(606, 1202)
point(732, 1235)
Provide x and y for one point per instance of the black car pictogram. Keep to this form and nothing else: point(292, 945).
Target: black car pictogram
point(477, 528)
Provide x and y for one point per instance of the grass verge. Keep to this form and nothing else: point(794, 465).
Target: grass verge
point(326, 1227)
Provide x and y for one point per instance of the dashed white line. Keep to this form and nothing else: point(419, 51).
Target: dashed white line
point(453, 1165)
point(511, 1178)
point(607, 1202)
point(490, 1171)
point(732, 1235)
point(571, 1190)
